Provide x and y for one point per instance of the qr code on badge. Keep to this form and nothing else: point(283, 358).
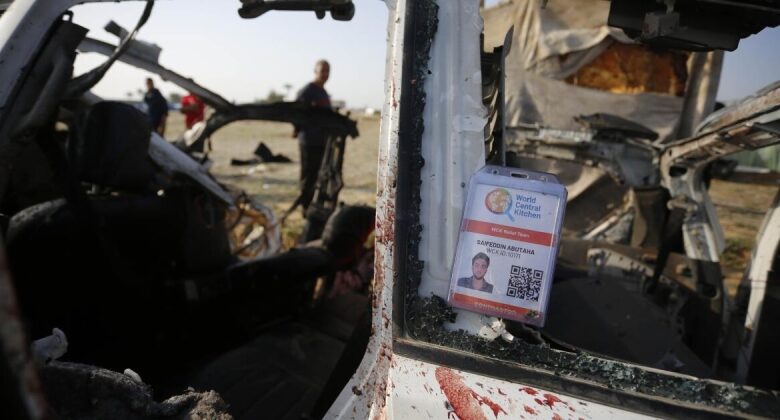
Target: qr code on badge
point(524, 283)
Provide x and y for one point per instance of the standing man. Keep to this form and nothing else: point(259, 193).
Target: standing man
point(312, 139)
point(157, 107)
point(479, 267)
point(193, 108)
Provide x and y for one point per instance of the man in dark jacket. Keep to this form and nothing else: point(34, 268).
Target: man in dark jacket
point(312, 139)
point(157, 107)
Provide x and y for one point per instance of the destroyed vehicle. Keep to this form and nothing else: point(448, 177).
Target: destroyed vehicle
point(126, 243)
point(145, 56)
point(638, 167)
point(639, 318)
point(648, 343)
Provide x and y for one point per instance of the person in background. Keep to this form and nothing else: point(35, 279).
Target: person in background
point(157, 108)
point(312, 139)
point(193, 108)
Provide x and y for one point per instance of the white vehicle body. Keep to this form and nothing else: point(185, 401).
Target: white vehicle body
point(404, 378)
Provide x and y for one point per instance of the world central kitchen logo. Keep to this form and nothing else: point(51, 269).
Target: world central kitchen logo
point(500, 201)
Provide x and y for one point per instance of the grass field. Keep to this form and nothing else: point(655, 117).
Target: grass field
point(740, 207)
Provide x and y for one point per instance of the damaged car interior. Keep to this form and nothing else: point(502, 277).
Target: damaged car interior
point(127, 244)
point(647, 262)
point(178, 301)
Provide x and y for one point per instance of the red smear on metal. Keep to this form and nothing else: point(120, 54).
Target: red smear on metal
point(392, 90)
point(550, 400)
point(529, 391)
point(556, 417)
point(538, 401)
point(466, 403)
point(379, 278)
point(529, 410)
point(386, 353)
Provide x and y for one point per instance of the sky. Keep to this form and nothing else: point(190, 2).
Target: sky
point(753, 65)
point(244, 59)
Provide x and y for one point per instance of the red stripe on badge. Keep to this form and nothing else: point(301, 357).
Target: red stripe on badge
point(508, 232)
point(488, 306)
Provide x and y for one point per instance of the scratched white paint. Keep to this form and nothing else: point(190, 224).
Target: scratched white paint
point(453, 140)
point(417, 394)
point(23, 28)
point(760, 266)
point(453, 150)
point(366, 393)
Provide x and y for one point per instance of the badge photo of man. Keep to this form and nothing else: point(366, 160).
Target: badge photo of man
point(479, 267)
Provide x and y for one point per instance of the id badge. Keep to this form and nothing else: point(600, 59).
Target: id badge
point(508, 244)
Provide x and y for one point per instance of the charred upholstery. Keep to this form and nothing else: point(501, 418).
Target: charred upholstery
point(110, 147)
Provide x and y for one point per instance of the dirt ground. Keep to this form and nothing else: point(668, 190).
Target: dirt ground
point(276, 184)
point(740, 207)
point(741, 210)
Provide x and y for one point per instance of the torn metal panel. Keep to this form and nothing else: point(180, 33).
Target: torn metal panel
point(617, 226)
point(140, 60)
point(603, 261)
point(252, 229)
point(22, 30)
point(86, 81)
point(748, 125)
point(296, 113)
point(764, 100)
point(174, 161)
point(627, 160)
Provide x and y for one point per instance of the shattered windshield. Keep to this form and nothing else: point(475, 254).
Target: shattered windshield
point(660, 260)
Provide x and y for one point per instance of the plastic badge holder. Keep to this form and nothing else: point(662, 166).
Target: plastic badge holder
point(508, 243)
